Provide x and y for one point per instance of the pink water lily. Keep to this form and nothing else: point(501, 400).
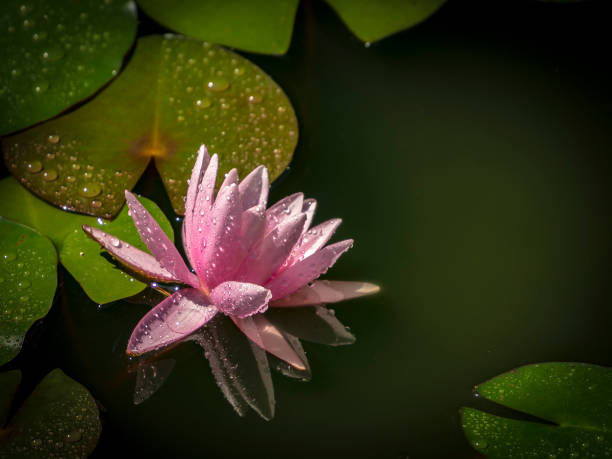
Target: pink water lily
point(245, 258)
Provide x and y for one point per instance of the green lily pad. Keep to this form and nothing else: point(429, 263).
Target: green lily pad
point(372, 20)
point(28, 278)
point(576, 398)
point(59, 419)
point(174, 95)
point(56, 54)
point(103, 280)
point(19, 205)
point(262, 26)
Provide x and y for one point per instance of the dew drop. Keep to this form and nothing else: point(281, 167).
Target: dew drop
point(34, 167)
point(96, 204)
point(41, 86)
point(254, 99)
point(115, 242)
point(52, 54)
point(73, 437)
point(202, 103)
point(9, 256)
point(90, 190)
point(53, 138)
point(24, 284)
point(217, 85)
point(49, 175)
point(70, 178)
point(239, 71)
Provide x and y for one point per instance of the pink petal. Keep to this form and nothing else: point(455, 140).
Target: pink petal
point(220, 252)
point(261, 331)
point(202, 206)
point(135, 259)
point(308, 207)
point(253, 224)
point(240, 299)
point(266, 256)
point(170, 321)
point(283, 209)
point(254, 188)
point(307, 270)
point(324, 291)
point(230, 178)
point(158, 243)
point(197, 174)
point(311, 241)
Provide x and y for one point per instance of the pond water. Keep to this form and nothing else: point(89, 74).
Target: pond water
point(469, 159)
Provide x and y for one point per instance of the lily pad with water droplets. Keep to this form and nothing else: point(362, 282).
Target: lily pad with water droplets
point(28, 278)
point(174, 95)
point(56, 54)
point(574, 400)
point(19, 205)
point(59, 419)
point(373, 20)
point(103, 279)
point(259, 26)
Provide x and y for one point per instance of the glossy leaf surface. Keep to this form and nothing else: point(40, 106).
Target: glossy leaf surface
point(574, 398)
point(262, 26)
point(371, 21)
point(103, 279)
point(20, 205)
point(59, 419)
point(174, 95)
point(57, 53)
point(28, 278)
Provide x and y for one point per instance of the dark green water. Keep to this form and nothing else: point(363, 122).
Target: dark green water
point(470, 159)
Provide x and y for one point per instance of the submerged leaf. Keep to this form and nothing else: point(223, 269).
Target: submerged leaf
point(174, 95)
point(100, 277)
point(28, 278)
point(59, 419)
point(259, 26)
point(58, 53)
point(373, 20)
point(576, 397)
point(150, 376)
point(9, 381)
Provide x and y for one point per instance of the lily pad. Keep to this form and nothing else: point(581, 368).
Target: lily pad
point(372, 20)
point(575, 399)
point(174, 95)
point(28, 278)
point(102, 279)
point(20, 205)
point(56, 54)
point(259, 26)
point(59, 419)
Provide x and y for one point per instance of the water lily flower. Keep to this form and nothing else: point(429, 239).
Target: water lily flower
point(245, 258)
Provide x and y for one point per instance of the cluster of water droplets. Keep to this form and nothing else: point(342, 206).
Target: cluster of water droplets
point(57, 171)
point(58, 55)
point(23, 272)
point(223, 100)
point(60, 422)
